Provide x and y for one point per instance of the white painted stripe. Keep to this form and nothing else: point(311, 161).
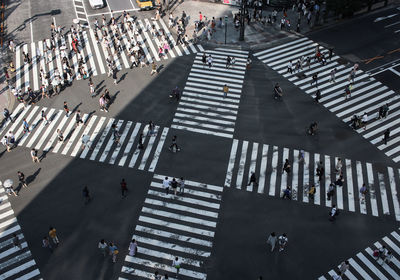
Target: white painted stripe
point(170, 235)
point(19, 120)
point(274, 171)
point(231, 163)
point(165, 256)
point(137, 272)
point(13, 114)
point(17, 269)
point(286, 50)
point(206, 83)
point(158, 150)
point(371, 188)
point(252, 164)
point(318, 191)
point(233, 97)
point(26, 70)
point(219, 74)
point(198, 64)
point(191, 191)
point(238, 57)
point(182, 208)
point(34, 67)
point(382, 187)
point(359, 269)
point(176, 226)
point(29, 275)
point(42, 59)
point(284, 177)
point(350, 188)
point(18, 68)
point(242, 163)
point(142, 44)
point(391, 244)
point(295, 175)
point(110, 142)
point(74, 57)
point(180, 218)
point(6, 214)
point(371, 266)
point(198, 118)
point(306, 176)
point(259, 54)
point(328, 180)
point(299, 49)
point(263, 169)
point(148, 39)
point(92, 137)
point(202, 131)
point(66, 133)
point(360, 180)
point(170, 51)
point(149, 147)
point(9, 231)
point(207, 113)
point(97, 51)
point(129, 145)
point(86, 133)
point(58, 57)
point(101, 140)
point(384, 266)
point(182, 271)
point(74, 135)
point(93, 69)
point(49, 129)
point(170, 38)
point(194, 184)
point(339, 192)
point(395, 261)
point(121, 141)
point(32, 128)
point(12, 250)
point(393, 192)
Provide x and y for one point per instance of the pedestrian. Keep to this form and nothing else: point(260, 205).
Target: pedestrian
point(311, 192)
point(16, 241)
point(333, 213)
point(44, 117)
point(157, 276)
point(140, 144)
point(290, 67)
point(332, 76)
point(347, 91)
point(226, 90)
point(204, 59)
point(320, 170)
point(46, 244)
point(153, 69)
point(317, 96)
point(133, 248)
point(282, 240)
point(113, 251)
point(388, 257)
point(209, 61)
point(60, 135)
point(386, 136)
point(174, 144)
point(181, 184)
point(7, 115)
point(248, 63)
point(287, 193)
point(124, 188)
point(53, 236)
point(315, 79)
point(331, 191)
point(78, 118)
point(21, 178)
point(174, 186)
point(25, 126)
point(66, 110)
point(286, 167)
point(114, 75)
point(151, 129)
point(91, 88)
point(166, 184)
point(272, 240)
point(228, 62)
point(6, 142)
point(177, 264)
point(34, 155)
point(253, 179)
point(102, 246)
point(86, 195)
point(338, 167)
point(363, 192)
point(102, 103)
point(344, 266)
point(364, 120)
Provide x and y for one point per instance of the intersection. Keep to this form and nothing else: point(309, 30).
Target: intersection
point(218, 227)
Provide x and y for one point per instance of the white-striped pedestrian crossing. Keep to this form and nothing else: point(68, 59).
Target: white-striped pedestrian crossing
point(367, 94)
point(203, 107)
point(267, 162)
point(95, 139)
point(364, 265)
point(171, 226)
point(16, 262)
point(95, 53)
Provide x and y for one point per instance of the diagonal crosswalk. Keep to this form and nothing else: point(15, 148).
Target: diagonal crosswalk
point(94, 53)
point(203, 107)
point(366, 266)
point(267, 161)
point(172, 226)
point(92, 140)
point(367, 95)
point(15, 262)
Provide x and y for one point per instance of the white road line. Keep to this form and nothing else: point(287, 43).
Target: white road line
point(306, 176)
point(54, 136)
point(129, 145)
point(26, 70)
point(90, 54)
point(35, 133)
point(372, 191)
point(18, 121)
point(350, 188)
point(360, 181)
point(34, 67)
point(170, 38)
point(18, 68)
point(148, 149)
point(74, 135)
point(102, 139)
point(85, 132)
point(252, 164)
point(371, 266)
point(97, 51)
point(231, 163)
point(191, 191)
point(295, 175)
point(93, 137)
point(263, 169)
point(121, 142)
point(158, 150)
point(359, 270)
point(274, 172)
point(318, 191)
point(382, 187)
point(148, 39)
point(242, 163)
point(339, 192)
point(17, 269)
point(393, 192)
point(204, 131)
point(384, 266)
point(21, 128)
point(328, 180)
point(110, 142)
point(66, 133)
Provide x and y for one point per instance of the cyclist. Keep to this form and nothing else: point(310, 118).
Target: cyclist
point(277, 91)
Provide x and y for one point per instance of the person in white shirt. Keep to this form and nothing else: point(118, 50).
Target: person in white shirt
point(282, 241)
point(365, 120)
point(166, 184)
point(177, 264)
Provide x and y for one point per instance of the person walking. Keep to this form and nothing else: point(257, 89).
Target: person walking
point(272, 240)
point(176, 263)
point(364, 120)
point(209, 61)
point(44, 117)
point(103, 247)
point(86, 195)
point(226, 90)
point(153, 69)
point(124, 188)
point(16, 241)
point(91, 88)
point(6, 142)
point(286, 167)
point(331, 191)
point(181, 184)
point(290, 67)
point(174, 186)
point(21, 178)
point(60, 135)
point(282, 240)
point(66, 110)
point(386, 136)
point(34, 155)
point(339, 165)
point(166, 184)
point(46, 244)
point(311, 192)
point(113, 251)
point(140, 144)
point(7, 115)
point(25, 126)
point(133, 248)
point(344, 266)
point(78, 118)
point(315, 79)
point(332, 76)
point(53, 236)
point(333, 213)
point(317, 96)
point(174, 144)
point(253, 179)
point(114, 75)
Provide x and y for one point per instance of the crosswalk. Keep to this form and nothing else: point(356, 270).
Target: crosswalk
point(93, 140)
point(94, 54)
point(15, 262)
point(171, 226)
point(203, 107)
point(365, 266)
point(267, 162)
point(367, 95)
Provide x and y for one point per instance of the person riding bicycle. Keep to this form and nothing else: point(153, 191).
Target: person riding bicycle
point(175, 93)
point(278, 91)
point(313, 128)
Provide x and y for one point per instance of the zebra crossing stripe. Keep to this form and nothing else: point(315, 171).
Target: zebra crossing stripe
point(121, 142)
point(18, 269)
point(283, 177)
point(18, 68)
point(21, 128)
point(158, 149)
point(34, 67)
point(129, 145)
point(371, 266)
point(295, 176)
point(26, 70)
point(359, 269)
point(328, 180)
point(350, 188)
point(38, 127)
point(102, 139)
point(339, 191)
point(318, 192)
point(231, 163)
point(363, 208)
point(85, 132)
point(72, 138)
point(93, 69)
point(385, 204)
point(148, 149)
point(170, 38)
point(252, 164)
point(385, 267)
point(97, 51)
point(66, 133)
point(274, 171)
point(393, 189)
point(20, 118)
point(264, 54)
point(110, 142)
point(55, 117)
point(148, 39)
point(374, 204)
point(242, 163)
point(263, 168)
point(58, 57)
point(92, 137)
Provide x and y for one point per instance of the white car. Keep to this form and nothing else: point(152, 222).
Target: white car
point(96, 4)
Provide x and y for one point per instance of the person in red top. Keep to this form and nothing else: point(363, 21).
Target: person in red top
point(124, 188)
point(200, 16)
